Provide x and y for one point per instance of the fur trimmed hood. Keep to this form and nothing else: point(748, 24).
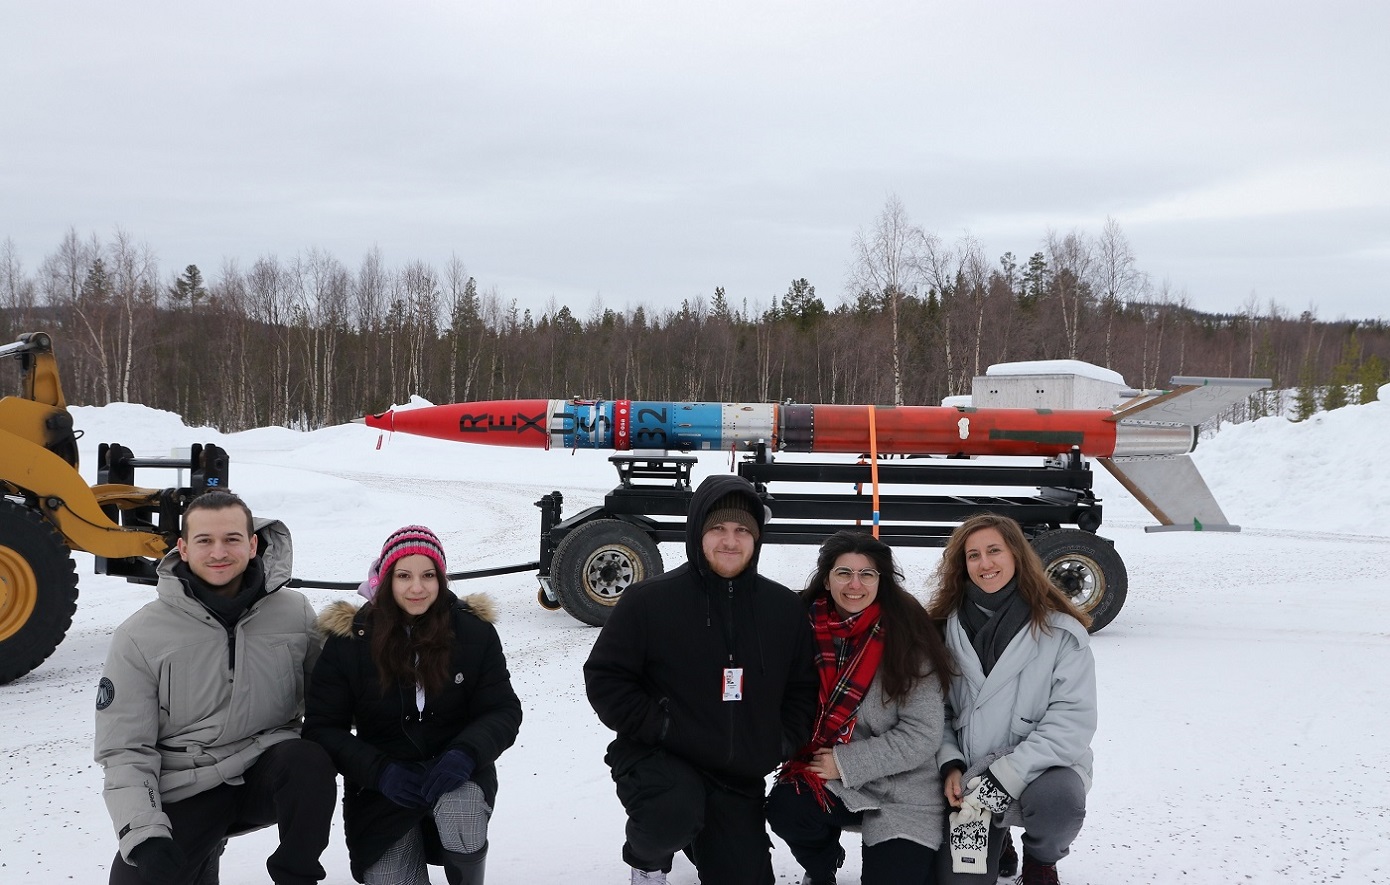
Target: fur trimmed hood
point(337, 617)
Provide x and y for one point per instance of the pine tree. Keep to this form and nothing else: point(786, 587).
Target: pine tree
point(801, 305)
point(97, 287)
point(1336, 394)
point(719, 306)
point(1037, 277)
point(1305, 398)
point(1370, 378)
point(189, 288)
point(1339, 391)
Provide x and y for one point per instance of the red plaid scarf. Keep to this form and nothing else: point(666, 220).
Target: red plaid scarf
point(845, 675)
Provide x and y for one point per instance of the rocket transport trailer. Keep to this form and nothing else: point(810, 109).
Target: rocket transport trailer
point(588, 559)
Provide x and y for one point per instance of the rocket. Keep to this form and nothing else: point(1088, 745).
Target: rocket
point(1152, 426)
point(1144, 442)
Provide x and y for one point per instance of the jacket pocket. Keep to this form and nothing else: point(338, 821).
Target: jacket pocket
point(1021, 727)
point(193, 691)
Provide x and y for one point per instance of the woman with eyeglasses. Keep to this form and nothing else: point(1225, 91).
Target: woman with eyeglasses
point(1023, 706)
point(870, 763)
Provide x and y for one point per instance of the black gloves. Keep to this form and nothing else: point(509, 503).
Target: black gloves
point(159, 860)
point(402, 784)
point(451, 771)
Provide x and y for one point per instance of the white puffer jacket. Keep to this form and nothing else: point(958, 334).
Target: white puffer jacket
point(1037, 706)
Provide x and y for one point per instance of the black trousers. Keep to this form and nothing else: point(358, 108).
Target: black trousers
point(813, 835)
point(672, 806)
point(293, 785)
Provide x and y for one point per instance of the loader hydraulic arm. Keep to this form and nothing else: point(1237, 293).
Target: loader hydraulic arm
point(33, 472)
point(41, 462)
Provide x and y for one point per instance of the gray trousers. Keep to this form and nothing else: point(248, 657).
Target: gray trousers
point(1053, 807)
point(460, 817)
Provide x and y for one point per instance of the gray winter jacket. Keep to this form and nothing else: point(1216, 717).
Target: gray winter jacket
point(1037, 706)
point(174, 718)
point(888, 770)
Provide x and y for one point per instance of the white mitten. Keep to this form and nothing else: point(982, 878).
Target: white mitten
point(988, 792)
point(970, 837)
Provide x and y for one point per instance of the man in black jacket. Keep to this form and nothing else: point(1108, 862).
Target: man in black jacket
point(707, 675)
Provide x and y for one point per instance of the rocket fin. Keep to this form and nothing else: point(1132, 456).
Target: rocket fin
point(1191, 401)
point(1173, 491)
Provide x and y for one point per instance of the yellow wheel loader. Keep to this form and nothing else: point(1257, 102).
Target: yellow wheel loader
point(47, 510)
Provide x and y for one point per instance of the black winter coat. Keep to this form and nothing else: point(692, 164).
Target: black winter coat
point(655, 674)
point(363, 730)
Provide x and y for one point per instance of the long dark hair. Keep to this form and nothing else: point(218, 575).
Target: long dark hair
point(911, 642)
point(419, 655)
point(1030, 577)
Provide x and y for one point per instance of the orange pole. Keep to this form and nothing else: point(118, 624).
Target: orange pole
point(873, 463)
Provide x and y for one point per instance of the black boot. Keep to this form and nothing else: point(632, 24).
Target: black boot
point(1008, 859)
point(209, 874)
point(1038, 873)
point(465, 869)
point(808, 879)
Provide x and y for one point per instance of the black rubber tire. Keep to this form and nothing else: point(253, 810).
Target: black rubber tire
point(546, 602)
point(38, 590)
point(596, 562)
point(1088, 569)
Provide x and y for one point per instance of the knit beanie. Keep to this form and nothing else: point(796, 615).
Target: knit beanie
point(405, 541)
point(733, 507)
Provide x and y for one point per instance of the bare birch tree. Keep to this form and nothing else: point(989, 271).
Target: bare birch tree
point(887, 263)
point(271, 297)
point(18, 294)
point(1072, 261)
point(1117, 277)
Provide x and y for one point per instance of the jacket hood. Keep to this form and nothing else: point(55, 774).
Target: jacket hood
point(709, 491)
point(274, 549)
point(337, 618)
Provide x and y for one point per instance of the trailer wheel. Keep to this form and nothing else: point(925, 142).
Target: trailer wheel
point(545, 601)
point(38, 590)
point(596, 562)
point(1088, 569)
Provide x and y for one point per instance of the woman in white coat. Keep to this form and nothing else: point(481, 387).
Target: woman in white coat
point(1021, 710)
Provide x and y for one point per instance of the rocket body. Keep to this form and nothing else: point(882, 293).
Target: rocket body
point(624, 425)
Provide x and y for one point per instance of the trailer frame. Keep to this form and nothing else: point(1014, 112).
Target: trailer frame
point(589, 558)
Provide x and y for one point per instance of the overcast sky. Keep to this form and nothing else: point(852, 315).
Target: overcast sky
point(646, 152)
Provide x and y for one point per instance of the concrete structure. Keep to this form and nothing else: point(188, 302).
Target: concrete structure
point(1048, 384)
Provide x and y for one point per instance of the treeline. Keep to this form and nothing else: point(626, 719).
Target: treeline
point(309, 341)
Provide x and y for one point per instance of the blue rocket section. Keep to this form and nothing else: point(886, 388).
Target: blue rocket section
point(581, 425)
point(688, 426)
point(624, 425)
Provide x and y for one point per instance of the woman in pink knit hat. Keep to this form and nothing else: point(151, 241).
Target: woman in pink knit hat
point(412, 699)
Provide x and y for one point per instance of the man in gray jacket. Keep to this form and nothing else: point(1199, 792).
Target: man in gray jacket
point(200, 704)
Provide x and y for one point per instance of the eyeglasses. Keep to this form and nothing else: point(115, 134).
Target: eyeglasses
point(867, 576)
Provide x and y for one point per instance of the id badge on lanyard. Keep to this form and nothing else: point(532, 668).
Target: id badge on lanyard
point(733, 683)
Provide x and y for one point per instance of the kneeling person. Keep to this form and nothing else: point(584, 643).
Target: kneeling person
point(198, 710)
point(413, 701)
point(707, 675)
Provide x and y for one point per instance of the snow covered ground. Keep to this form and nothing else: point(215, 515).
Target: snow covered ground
point(1245, 717)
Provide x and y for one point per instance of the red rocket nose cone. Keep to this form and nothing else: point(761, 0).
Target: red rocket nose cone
point(382, 421)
